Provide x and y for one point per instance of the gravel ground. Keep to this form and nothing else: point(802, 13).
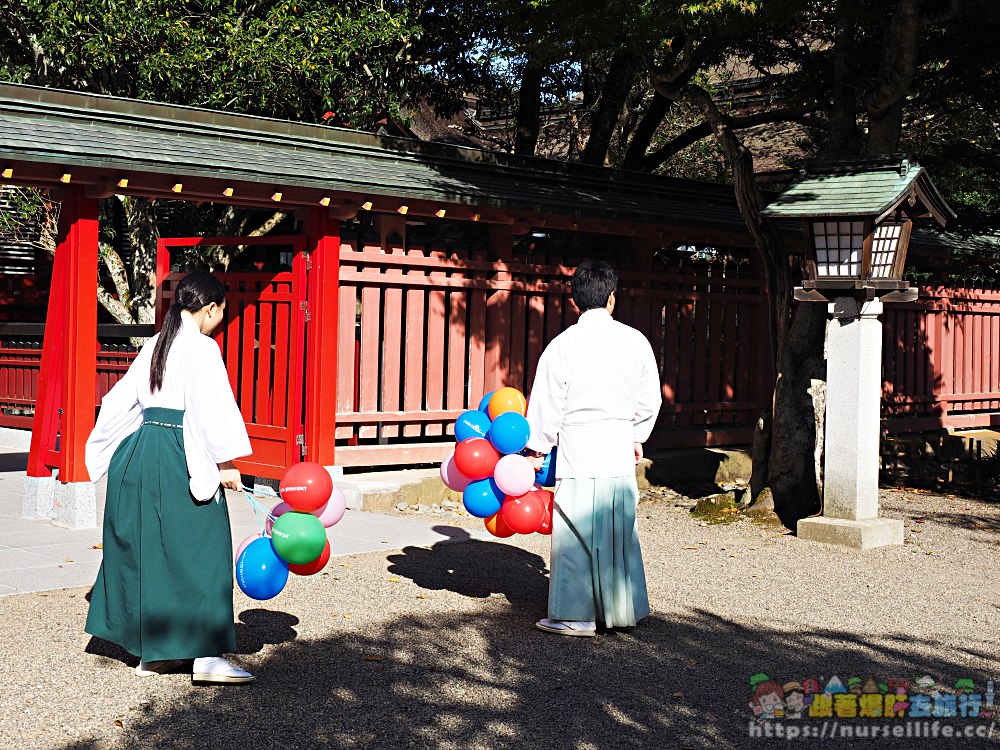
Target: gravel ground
point(434, 647)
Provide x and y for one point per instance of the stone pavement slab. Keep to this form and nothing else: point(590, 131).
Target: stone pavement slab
point(35, 555)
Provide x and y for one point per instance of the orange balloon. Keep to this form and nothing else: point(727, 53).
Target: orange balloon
point(507, 399)
point(497, 526)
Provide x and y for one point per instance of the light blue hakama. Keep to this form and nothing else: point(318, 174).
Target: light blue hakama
point(597, 572)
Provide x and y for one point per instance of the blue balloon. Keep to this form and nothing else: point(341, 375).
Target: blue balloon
point(484, 405)
point(546, 476)
point(509, 432)
point(472, 423)
point(483, 498)
point(260, 573)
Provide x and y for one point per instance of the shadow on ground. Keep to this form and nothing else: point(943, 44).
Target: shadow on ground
point(486, 679)
point(13, 461)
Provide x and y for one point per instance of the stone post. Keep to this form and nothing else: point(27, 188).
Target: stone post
point(853, 400)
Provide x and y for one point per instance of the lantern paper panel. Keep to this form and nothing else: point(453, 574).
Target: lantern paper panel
point(839, 246)
point(884, 246)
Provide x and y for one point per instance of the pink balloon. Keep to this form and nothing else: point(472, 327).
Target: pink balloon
point(514, 475)
point(334, 509)
point(245, 543)
point(276, 511)
point(453, 479)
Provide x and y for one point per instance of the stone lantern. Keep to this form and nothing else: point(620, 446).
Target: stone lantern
point(857, 218)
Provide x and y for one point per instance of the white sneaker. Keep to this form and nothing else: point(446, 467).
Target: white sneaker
point(216, 670)
point(568, 627)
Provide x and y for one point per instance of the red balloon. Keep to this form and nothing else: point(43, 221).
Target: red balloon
point(307, 569)
point(476, 458)
point(497, 526)
point(306, 486)
point(523, 514)
point(545, 527)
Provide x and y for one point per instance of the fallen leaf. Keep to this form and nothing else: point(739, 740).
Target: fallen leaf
point(335, 614)
point(118, 723)
point(422, 596)
point(733, 554)
point(703, 541)
point(68, 559)
point(690, 546)
point(372, 658)
point(344, 565)
point(394, 579)
point(918, 520)
point(347, 617)
point(980, 525)
point(98, 546)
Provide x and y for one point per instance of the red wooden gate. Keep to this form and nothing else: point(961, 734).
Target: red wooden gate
point(262, 343)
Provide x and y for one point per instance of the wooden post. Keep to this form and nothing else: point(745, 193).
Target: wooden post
point(68, 377)
point(323, 243)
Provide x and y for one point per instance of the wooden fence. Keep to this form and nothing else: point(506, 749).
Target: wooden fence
point(941, 360)
point(427, 329)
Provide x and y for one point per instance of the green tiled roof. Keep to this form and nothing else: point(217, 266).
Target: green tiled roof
point(983, 245)
point(859, 188)
point(122, 135)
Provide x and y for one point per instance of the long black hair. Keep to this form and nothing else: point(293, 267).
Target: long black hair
point(193, 292)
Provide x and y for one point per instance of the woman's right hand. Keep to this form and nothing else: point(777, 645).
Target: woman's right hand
point(229, 476)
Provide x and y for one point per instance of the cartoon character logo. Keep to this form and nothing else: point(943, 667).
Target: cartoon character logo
point(768, 700)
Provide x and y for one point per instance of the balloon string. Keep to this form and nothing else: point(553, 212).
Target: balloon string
point(258, 508)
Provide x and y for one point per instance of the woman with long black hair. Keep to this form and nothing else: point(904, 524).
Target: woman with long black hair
point(166, 436)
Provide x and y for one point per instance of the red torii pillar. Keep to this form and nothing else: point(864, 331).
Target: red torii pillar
point(67, 384)
point(323, 245)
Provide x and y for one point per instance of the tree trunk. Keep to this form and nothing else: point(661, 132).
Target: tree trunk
point(845, 138)
point(791, 464)
point(635, 156)
point(897, 69)
point(529, 110)
point(142, 234)
point(617, 84)
point(790, 473)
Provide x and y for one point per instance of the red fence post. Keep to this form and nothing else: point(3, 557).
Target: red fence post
point(68, 379)
point(323, 243)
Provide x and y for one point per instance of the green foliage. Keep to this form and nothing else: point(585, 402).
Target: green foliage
point(294, 59)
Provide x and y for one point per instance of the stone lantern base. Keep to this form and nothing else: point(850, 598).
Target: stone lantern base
point(863, 534)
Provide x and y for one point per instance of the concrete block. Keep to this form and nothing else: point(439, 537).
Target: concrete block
point(11, 437)
point(353, 495)
point(863, 534)
point(75, 506)
point(39, 497)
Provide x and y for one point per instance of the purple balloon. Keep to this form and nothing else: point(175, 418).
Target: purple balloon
point(276, 511)
point(453, 479)
point(334, 509)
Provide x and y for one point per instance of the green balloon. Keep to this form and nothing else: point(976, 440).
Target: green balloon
point(298, 538)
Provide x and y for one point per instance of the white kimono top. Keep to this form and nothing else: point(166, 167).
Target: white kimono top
point(596, 392)
point(195, 381)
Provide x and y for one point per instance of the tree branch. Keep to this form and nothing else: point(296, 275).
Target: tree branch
point(704, 130)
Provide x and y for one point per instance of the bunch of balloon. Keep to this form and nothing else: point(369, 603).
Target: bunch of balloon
point(292, 539)
point(487, 466)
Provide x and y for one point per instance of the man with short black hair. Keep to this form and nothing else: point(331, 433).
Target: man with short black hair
point(596, 395)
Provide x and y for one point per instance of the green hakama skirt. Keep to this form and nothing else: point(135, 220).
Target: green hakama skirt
point(596, 570)
point(165, 587)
